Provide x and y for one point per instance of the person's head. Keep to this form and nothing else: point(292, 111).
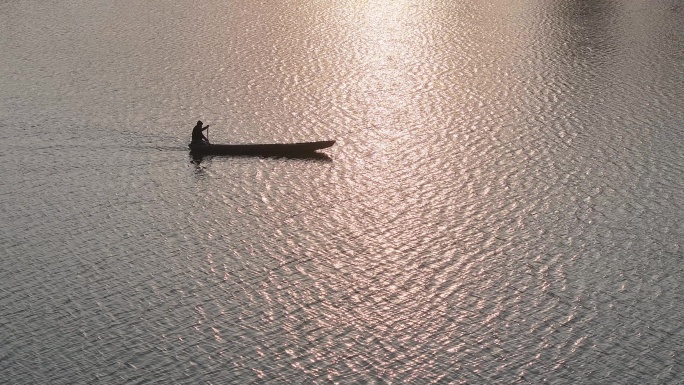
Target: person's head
point(199, 122)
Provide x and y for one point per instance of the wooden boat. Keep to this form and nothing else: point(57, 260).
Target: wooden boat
point(270, 149)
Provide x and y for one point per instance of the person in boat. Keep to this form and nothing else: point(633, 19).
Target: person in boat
point(197, 135)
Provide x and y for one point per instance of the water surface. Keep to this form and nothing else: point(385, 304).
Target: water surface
point(504, 203)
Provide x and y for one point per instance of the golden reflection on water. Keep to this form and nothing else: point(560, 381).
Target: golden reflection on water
point(383, 293)
point(384, 51)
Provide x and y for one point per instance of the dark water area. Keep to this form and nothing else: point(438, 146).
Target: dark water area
point(504, 203)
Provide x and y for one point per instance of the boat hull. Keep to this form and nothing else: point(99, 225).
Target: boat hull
point(271, 149)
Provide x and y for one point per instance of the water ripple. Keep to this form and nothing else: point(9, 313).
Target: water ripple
point(502, 205)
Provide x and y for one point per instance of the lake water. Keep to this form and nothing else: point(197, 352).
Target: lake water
point(504, 203)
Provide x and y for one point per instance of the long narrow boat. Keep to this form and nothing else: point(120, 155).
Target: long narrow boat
point(290, 149)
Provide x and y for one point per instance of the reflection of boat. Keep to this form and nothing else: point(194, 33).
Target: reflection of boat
point(271, 149)
point(197, 158)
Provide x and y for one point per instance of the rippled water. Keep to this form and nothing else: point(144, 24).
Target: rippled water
point(504, 203)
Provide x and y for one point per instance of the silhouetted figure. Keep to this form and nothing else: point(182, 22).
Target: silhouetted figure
point(197, 135)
